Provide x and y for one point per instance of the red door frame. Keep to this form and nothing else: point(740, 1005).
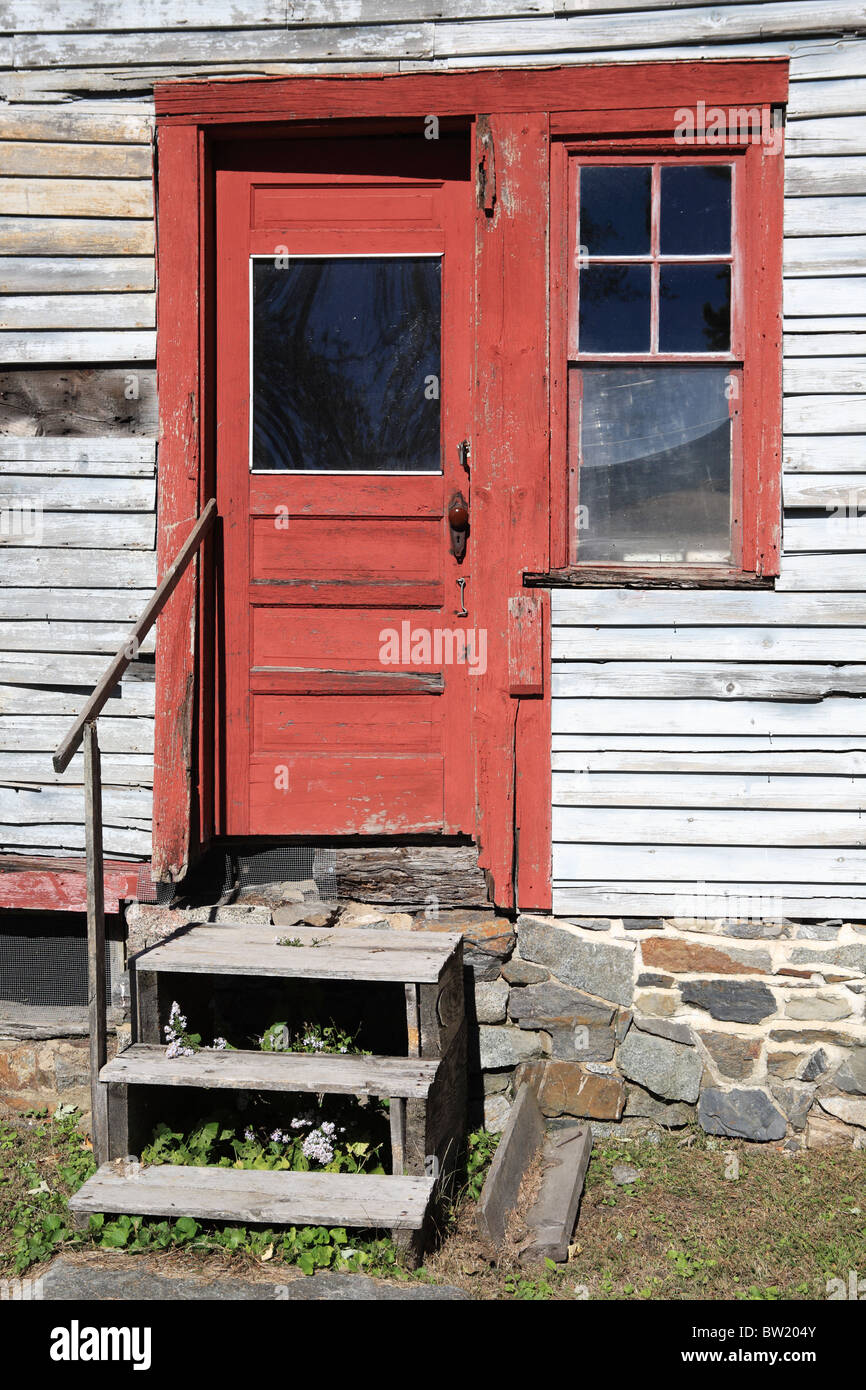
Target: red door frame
point(510, 472)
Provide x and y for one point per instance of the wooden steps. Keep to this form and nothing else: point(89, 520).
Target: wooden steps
point(426, 1088)
point(271, 1198)
point(243, 949)
point(146, 1064)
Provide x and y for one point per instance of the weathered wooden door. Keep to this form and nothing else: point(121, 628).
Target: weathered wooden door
point(344, 366)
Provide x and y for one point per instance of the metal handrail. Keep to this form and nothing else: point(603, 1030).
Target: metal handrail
point(84, 729)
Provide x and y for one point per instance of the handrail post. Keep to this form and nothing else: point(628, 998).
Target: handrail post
point(96, 991)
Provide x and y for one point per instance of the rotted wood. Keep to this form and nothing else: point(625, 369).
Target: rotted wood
point(412, 876)
point(657, 577)
point(57, 401)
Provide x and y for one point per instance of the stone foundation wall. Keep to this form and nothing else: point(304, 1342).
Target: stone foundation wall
point(754, 1029)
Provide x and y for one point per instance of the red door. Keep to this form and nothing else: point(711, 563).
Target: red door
point(344, 332)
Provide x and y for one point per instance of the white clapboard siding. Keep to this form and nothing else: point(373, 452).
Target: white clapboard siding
point(824, 255)
point(70, 494)
point(711, 644)
point(824, 414)
point(121, 345)
point(79, 531)
point(841, 344)
point(829, 375)
point(708, 743)
point(825, 174)
point(75, 236)
point(130, 806)
point(843, 294)
point(136, 698)
point(826, 135)
point(70, 454)
point(810, 490)
point(36, 769)
point(728, 864)
point(704, 608)
point(32, 839)
point(39, 197)
point(51, 668)
point(724, 791)
point(808, 100)
point(624, 825)
point(839, 453)
point(841, 530)
point(39, 158)
point(693, 680)
point(86, 311)
point(836, 715)
point(76, 275)
point(72, 568)
point(752, 900)
point(640, 769)
point(75, 637)
point(111, 123)
point(278, 45)
point(27, 734)
point(811, 217)
point(109, 605)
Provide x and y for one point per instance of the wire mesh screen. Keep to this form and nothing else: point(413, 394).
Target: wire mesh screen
point(149, 891)
point(43, 966)
point(284, 864)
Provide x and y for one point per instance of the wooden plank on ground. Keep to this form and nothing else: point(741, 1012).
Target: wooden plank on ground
point(552, 1216)
point(518, 1145)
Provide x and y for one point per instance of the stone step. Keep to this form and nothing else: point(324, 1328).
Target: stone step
point(325, 1073)
point(366, 1200)
point(324, 954)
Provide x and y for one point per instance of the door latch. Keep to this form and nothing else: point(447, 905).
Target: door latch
point(458, 524)
point(462, 611)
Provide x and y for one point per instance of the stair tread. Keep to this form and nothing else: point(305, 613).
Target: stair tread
point(342, 954)
point(325, 1073)
point(278, 1198)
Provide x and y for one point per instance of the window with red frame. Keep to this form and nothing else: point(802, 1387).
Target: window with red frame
point(666, 362)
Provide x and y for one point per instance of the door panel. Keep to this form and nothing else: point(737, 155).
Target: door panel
point(348, 683)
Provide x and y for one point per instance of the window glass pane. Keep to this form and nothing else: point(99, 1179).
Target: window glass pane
point(694, 308)
point(655, 464)
point(615, 210)
point(614, 308)
point(695, 210)
point(345, 372)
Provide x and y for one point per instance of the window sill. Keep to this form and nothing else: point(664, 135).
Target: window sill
point(646, 577)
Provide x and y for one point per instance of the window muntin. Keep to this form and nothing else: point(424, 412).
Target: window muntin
point(654, 382)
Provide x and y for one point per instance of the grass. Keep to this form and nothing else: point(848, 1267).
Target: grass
point(684, 1230)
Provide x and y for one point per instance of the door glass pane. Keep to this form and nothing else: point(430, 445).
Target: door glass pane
point(615, 210)
point(614, 308)
point(346, 364)
point(655, 464)
point(695, 210)
point(694, 308)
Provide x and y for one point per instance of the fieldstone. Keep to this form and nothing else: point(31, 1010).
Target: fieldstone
point(753, 931)
point(690, 957)
point(622, 1024)
point(826, 1008)
point(497, 1108)
point(851, 1076)
point(815, 1065)
point(784, 1064)
point(580, 1043)
point(624, 1174)
point(482, 932)
point(796, 1102)
point(734, 1001)
point(642, 923)
point(734, 1056)
point(603, 968)
point(592, 923)
point(671, 1115)
point(742, 1114)
point(483, 969)
point(852, 957)
point(819, 931)
point(506, 1047)
point(536, 1006)
point(655, 1003)
point(666, 1028)
point(523, 972)
point(651, 980)
point(491, 1001)
point(71, 1066)
point(569, 1088)
point(851, 1110)
point(833, 1036)
point(826, 1132)
point(318, 915)
point(667, 1069)
point(493, 1083)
